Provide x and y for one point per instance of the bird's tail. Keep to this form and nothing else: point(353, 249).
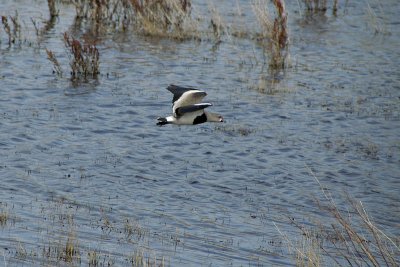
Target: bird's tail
point(162, 121)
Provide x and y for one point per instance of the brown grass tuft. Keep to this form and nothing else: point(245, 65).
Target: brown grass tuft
point(84, 58)
point(274, 31)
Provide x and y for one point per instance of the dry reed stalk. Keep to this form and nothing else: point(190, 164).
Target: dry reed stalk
point(3, 218)
point(216, 23)
point(167, 18)
point(84, 58)
point(274, 30)
point(52, 8)
point(16, 25)
point(260, 9)
point(13, 31)
point(7, 29)
point(56, 65)
point(160, 18)
point(70, 252)
point(355, 240)
point(377, 19)
point(112, 13)
point(280, 25)
point(350, 240)
point(335, 7)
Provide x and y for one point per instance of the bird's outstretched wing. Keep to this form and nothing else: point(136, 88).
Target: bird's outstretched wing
point(190, 95)
point(191, 108)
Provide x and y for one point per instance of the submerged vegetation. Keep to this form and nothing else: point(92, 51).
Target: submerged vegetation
point(174, 19)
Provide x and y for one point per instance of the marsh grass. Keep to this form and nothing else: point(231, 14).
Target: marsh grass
point(319, 6)
point(217, 24)
point(60, 241)
point(93, 258)
point(168, 19)
point(164, 19)
point(71, 251)
point(376, 18)
point(52, 8)
point(316, 5)
point(114, 14)
point(133, 229)
point(62, 250)
point(84, 58)
point(13, 29)
point(4, 216)
point(308, 248)
point(351, 239)
point(174, 19)
point(140, 258)
point(56, 65)
point(274, 31)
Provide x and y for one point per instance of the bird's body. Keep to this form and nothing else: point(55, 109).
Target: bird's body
point(187, 109)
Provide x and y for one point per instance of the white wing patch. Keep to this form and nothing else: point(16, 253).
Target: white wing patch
point(188, 98)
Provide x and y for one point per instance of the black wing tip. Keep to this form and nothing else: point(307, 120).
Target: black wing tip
point(177, 86)
point(173, 88)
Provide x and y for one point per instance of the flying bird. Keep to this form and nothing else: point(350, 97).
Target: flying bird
point(187, 108)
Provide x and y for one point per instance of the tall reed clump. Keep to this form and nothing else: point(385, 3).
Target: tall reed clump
point(167, 18)
point(84, 58)
point(159, 18)
point(52, 8)
point(351, 239)
point(110, 13)
point(274, 32)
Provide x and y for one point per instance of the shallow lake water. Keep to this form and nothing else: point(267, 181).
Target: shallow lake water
point(84, 163)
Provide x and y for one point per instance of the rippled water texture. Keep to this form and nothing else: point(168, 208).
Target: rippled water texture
point(85, 164)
